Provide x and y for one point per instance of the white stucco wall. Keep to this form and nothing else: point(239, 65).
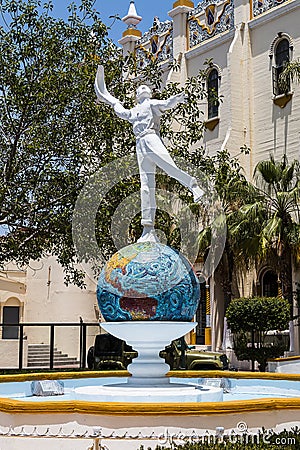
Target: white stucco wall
point(276, 130)
point(134, 426)
point(48, 299)
point(9, 351)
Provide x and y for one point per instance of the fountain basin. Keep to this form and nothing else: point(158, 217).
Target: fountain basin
point(241, 387)
point(255, 400)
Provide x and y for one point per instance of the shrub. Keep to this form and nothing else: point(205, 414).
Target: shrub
point(250, 319)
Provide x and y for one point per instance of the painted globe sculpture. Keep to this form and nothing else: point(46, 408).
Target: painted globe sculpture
point(148, 281)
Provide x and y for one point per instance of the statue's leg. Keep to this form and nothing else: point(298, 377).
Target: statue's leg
point(161, 157)
point(148, 204)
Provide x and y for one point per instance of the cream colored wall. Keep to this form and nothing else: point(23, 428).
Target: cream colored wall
point(276, 129)
point(48, 299)
point(247, 114)
point(9, 351)
point(230, 52)
point(196, 57)
point(13, 298)
point(133, 426)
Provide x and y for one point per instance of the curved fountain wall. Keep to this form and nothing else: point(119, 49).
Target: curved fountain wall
point(269, 413)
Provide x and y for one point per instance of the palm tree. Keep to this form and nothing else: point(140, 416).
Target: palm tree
point(233, 191)
point(290, 73)
point(268, 228)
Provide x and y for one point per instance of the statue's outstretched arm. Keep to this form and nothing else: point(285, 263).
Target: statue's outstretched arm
point(171, 102)
point(102, 93)
point(104, 96)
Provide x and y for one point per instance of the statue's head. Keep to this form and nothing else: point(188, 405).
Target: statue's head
point(143, 92)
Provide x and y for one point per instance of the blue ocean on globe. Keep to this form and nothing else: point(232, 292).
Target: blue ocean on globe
point(148, 281)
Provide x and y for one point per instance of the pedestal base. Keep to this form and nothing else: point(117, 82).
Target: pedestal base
point(148, 338)
point(171, 393)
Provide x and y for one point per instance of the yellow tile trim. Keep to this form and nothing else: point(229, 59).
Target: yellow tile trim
point(124, 373)
point(188, 3)
point(132, 32)
point(288, 358)
point(62, 375)
point(149, 409)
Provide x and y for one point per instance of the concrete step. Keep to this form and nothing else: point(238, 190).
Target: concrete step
point(43, 350)
point(45, 355)
point(39, 357)
point(55, 358)
point(55, 363)
point(40, 347)
point(65, 364)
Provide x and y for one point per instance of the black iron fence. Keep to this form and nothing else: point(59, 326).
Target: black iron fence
point(82, 338)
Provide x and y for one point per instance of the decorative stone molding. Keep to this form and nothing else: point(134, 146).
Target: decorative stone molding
point(210, 44)
point(187, 3)
point(282, 100)
point(132, 32)
point(209, 19)
point(211, 124)
point(279, 36)
point(273, 13)
point(157, 43)
point(260, 6)
point(215, 66)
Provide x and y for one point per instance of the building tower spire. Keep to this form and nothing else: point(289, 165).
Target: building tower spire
point(132, 34)
point(132, 19)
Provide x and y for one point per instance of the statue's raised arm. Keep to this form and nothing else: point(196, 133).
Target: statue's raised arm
point(101, 91)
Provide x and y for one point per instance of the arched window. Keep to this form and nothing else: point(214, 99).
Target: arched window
point(282, 57)
point(269, 284)
point(212, 93)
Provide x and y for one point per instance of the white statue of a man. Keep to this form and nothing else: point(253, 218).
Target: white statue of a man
point(150, 150)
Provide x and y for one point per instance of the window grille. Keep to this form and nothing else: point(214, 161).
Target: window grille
point(212, 93)
point(282, 57)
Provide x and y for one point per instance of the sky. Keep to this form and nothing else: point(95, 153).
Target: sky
point(145, 8)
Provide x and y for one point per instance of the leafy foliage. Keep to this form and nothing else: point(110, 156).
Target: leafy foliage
point(250, 319)
point(267, 227)
point(54, 136)
point(234, 191)
point(291, 72)
point(258, 314)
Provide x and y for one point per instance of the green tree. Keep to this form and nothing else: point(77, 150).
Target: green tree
point(53, 134)
point(233, 190)
point(250, 319)
point(50, 133)
point(268, 227)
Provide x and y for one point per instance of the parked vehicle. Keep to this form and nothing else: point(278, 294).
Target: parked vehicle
point(180, 355)
point(111, 353)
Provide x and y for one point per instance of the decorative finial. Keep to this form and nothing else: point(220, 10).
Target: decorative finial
point(132, 19)
point(156, 23)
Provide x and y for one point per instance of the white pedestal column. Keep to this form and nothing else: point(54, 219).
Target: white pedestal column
point(148, 338)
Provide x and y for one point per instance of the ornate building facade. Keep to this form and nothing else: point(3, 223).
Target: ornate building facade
point(249, 42)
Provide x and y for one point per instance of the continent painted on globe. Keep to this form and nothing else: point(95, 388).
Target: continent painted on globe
point(148, 281)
